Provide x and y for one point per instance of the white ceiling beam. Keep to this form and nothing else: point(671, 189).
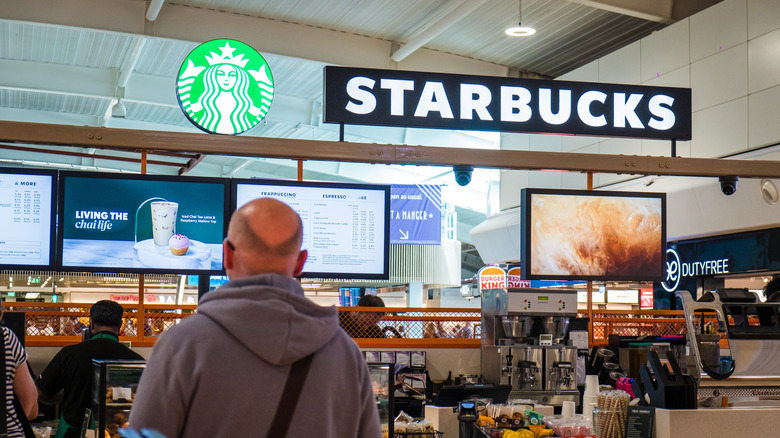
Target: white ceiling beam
point(95, 83)
point(652, 10)
point(267, 36)
point(66, 80)
point(272, 36)
point(129, 63)
point(126, 16)
point(54, 117)
point(436, 28)
point(154, 9)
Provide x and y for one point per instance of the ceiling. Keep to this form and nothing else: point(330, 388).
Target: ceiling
point(71, 62)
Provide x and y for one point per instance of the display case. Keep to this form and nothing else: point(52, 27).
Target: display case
point(114, 383)
point(383, 382)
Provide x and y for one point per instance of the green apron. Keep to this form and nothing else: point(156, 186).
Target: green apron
point(63, 425)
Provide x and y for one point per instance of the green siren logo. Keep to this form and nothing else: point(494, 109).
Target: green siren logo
point(225, 87)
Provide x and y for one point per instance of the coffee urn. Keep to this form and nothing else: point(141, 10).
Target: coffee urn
point(524, 343)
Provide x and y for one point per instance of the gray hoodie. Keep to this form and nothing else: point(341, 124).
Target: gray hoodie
point(220, 372)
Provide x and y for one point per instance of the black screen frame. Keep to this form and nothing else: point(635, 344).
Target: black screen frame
point(63, 178)
point(525, 234)
point(50, 265)
point(384, 275)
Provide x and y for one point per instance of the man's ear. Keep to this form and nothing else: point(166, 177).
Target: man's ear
point(302, 256)
point(227, 255)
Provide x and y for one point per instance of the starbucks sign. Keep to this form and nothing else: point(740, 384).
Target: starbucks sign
point(225, 87)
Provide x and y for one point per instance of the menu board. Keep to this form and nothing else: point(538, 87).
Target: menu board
point(26, 218)
point(345, 226)
point(141, 223)
point(593, 235)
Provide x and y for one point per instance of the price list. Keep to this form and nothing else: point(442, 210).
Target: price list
point(363, 229)
point(343, 229)
point(25, 218)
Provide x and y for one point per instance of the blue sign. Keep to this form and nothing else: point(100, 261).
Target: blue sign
point(349, 296)
point(415, 214)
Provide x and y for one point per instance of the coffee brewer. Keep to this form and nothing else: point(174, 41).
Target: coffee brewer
point(524, 343)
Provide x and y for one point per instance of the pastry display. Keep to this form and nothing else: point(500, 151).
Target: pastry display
point(179, 244)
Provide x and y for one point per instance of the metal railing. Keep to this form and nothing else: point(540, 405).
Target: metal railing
point(58, 324)
point(636, 323)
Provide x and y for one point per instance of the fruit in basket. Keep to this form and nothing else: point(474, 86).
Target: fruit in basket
point(540, 431)
point(484, 421)
point(519, 433)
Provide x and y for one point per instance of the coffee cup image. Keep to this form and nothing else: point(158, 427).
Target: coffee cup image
point(167, 248)
point(164, 221)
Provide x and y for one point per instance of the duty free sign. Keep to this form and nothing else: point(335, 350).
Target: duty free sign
point(487, 103)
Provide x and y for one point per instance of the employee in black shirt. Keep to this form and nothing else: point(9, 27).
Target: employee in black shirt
point(67, 379)
point(365, 324)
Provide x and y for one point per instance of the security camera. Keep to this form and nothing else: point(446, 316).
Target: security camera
point(728, 184)
point(462, 174)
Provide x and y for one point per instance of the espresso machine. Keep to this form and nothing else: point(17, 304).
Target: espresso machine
point(524, 343)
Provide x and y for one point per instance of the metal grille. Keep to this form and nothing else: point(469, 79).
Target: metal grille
point(60, 324)
point(650, 323)
point(414, 323)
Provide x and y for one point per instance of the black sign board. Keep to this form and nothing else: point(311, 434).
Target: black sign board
point(489, 103)
point(690, 262)
point(639, 423)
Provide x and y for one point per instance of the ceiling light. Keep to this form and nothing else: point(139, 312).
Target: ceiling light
point(520, 30)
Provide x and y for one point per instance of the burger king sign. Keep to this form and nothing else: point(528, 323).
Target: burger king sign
point(492, 277)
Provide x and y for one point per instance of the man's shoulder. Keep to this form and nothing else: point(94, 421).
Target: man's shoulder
point(101, 349)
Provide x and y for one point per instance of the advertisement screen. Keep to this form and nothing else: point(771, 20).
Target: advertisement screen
point(27, 218)
point(141, 223)
point(345, 226)
point(593, 235)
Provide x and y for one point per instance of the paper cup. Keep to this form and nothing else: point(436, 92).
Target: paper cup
point(567, 410)
point(592, 385)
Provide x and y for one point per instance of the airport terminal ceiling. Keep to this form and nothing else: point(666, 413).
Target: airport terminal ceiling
point(75, 64)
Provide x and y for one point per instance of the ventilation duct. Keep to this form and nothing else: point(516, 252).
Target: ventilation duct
point(497, 239)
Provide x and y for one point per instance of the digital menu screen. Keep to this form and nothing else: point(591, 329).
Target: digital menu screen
point(141, 223)
point(27, 218)
point(592, 235)
point(345, 226)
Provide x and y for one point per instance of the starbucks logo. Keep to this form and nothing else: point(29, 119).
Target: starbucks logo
point(225, 87)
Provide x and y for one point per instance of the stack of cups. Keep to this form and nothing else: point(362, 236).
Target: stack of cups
point(591, 395)
point(567, 410)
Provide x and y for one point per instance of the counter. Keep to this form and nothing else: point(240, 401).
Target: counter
point(719, 422)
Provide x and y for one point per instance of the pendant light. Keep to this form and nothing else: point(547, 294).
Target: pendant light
point(520, 30)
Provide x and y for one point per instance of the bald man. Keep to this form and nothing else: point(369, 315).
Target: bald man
point(222, 372)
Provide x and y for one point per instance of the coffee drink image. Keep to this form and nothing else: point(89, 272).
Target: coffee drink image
point(164, 221)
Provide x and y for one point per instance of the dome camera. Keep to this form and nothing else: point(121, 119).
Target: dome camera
point(462, 174)
point(728, 184)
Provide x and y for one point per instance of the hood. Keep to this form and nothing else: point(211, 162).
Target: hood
point(497, 239)
point(271, 317)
